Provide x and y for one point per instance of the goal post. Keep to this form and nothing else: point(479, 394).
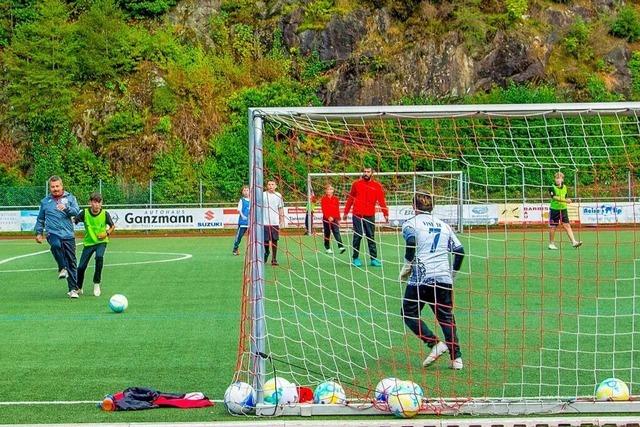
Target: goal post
point(539, 328)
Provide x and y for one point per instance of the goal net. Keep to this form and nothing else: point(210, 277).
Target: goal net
point(538, 328)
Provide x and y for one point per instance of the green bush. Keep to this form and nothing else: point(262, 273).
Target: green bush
point(147, 7)
point(121, 125)
point(597, 91)
point(627, 24)
point(174, 176)
point(634, 68)
point(517, 8)
point(164, 100)
point(163, 126)
point(577, 40)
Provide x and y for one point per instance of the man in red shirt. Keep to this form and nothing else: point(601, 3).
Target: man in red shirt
point(365, 193)
point(330, 206)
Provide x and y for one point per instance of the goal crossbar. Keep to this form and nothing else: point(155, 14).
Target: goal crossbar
point(439, 111)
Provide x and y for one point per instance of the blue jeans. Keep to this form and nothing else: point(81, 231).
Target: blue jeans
point(64, 252)
point(239, 234)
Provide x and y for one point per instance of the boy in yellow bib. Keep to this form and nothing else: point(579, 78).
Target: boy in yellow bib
point(558, 212)
point(98, 226)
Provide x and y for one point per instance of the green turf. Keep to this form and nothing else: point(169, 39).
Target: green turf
point(181, 329)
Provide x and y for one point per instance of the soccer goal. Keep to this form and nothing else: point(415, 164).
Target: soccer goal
point(539, 327)
point(446, 186)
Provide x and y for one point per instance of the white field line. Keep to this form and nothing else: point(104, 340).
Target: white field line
point(179, 257)
point(4, 261)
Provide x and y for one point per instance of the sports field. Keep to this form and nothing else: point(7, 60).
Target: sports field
point(180, 332)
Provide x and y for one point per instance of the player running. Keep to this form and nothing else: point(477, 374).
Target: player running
point(558, 213)
point(98, 226)
point(55, 220)
point(429, 241)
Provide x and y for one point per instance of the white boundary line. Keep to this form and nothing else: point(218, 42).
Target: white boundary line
point(6, 260)
point(180, 257)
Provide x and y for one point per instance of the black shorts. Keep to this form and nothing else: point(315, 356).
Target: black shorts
point(558, 216)
point(271, 233)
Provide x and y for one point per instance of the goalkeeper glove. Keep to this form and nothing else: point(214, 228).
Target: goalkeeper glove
point(405, 272)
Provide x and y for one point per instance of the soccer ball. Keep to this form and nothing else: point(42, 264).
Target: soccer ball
point(415, 387)
point(240, 398)
point(612, 389)
point(278, 391)
point(118, 303)
point(384, 386)
point(329, 392)
point(403, 401)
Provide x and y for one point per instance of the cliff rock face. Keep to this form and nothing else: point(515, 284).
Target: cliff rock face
point(374, 66)
point(375, 63)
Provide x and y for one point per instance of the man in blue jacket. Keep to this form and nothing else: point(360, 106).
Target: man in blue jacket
point(55, 219)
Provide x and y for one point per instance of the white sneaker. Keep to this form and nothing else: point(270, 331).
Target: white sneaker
point(73, 294)
point(553, 247)
point(436, 351)
point(457, 364)
point(577, 244)
point(62, 274)
point(96, 289)
point(328, 251)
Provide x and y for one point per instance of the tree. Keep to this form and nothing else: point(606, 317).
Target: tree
point(104, 45)
point(40, 66)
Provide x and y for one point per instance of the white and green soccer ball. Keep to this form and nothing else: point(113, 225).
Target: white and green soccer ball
point(403, 401)
point(329, 392)
point(384, 387)
point(240, 398)
point(118, 303)
point(612, 389)
point(278, 391)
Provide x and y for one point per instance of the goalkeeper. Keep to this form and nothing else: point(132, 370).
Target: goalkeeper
point(429, 241)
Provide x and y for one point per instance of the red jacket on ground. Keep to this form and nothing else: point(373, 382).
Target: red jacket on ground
point(330, 207)
point(363, 197)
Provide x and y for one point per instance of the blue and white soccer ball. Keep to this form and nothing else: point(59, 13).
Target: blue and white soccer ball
point(118, 303)
point(612, 389)
point(278, 391)
point(384, 386)
point(240, 398)
point(415, 387)
point(403, 401)
point(329, 392)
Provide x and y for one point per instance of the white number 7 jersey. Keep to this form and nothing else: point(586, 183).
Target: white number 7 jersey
point(434, 241)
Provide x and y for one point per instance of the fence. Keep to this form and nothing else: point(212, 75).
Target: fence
point(119, 194)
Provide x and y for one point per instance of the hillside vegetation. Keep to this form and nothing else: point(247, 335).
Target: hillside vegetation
point(132, 90)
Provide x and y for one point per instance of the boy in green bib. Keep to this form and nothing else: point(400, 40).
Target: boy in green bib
point(98, 226)
point(558, 212)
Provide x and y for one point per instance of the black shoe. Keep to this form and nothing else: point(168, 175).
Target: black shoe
point(342, 249)
point(236, 252)
point(274, 263)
